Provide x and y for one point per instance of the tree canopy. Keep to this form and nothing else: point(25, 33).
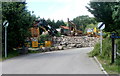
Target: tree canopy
point(107, 12)
point(82, 21)
point(19, 19)
point(56, 24)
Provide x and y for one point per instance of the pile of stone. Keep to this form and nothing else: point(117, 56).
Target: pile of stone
point(66, 42)
point(72, 42)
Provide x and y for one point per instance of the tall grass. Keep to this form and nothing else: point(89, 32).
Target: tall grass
point(105, 57)
point(106, 49)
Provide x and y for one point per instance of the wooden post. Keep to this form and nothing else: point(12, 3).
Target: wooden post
point(113, 41)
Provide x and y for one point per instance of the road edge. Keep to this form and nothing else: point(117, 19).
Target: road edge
point(100, 65)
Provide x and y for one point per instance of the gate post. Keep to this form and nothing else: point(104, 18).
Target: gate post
point(113, 41)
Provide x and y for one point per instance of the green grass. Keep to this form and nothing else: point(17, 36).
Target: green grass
point(0, 59)
point(34, 51)
point(109, 68)
point(0, 42)
point(15, 53)
point(11, 54)
point(105, 57)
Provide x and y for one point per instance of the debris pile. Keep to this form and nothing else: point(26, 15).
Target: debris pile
point(66, 42)
point(75, 42)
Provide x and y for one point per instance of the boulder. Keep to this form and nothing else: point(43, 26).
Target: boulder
point(60, 47)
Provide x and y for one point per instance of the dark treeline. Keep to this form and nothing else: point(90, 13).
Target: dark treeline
point(56, 24)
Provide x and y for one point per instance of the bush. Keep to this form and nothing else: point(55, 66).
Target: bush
point(106, 49)
point(107, 35)
point(96, 50)
point(105, 57)
point(118, 44)
point(58, 34)
point(44, 37)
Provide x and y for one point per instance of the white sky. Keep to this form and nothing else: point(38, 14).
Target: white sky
point(58, 9)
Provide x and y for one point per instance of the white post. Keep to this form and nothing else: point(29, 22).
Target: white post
point(115, 51)
point(100, 42)
point(5, 24)
point(5, 41)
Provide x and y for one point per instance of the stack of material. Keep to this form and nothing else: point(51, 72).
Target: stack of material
point(72, 42)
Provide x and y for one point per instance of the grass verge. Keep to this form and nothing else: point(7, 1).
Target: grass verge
point(108, 67)
point(105, 57)
point(11, 54)
point(15, 53)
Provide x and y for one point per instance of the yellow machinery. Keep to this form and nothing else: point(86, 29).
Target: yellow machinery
point(35, 33)
point(48, 43)
point(38, 28)
point(73, 28)
point(92, 33)
point(34, 43)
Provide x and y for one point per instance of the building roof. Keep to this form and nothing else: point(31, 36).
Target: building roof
point(65, 27)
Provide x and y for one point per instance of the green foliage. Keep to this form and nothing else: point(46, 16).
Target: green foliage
point(0, 42)
point(105, 57)
point(34, 51)
point(58, 34)
point(106, 49)
point(11, 54)
point(107, 46)
point(96, 50)
point(56, 24)
point(83, 21)
point(118, 44)
point(59, 23)
point(47, 37)
point(107, 12)
point(109, 68)
point(116, 15)
point(44, 37)
point(107, 35)
point(20, 20)
point(92, 26)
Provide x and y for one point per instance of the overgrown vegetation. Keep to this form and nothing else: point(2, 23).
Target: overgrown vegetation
point(105, 57)
point(109, 14)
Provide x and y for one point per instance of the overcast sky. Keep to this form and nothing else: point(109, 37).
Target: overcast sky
point(58, 9)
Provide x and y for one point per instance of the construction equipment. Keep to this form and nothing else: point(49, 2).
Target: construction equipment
point(73, 29)
point(92, 32)
point(38, 28)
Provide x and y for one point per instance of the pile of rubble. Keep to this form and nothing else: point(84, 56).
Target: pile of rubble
point(66, 42)
point(72, 42)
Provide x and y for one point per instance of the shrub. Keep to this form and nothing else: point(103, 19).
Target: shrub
point(106, 49)
point(96, 50)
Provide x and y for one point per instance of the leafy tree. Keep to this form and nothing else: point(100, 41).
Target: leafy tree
point(59, 23)
point(19, 19)
point(51, 22)
point(55, 24)
point(82, 21)
point(116, 16)
point(107, 12)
